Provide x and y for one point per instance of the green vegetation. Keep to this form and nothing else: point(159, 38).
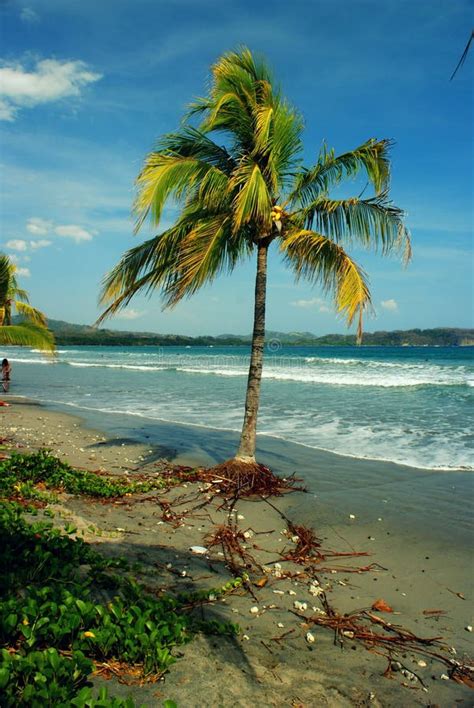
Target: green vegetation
point(68, 334)
point(52, 629)
point(21, 472)
point(31, 329)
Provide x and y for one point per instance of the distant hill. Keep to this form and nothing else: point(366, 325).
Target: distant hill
point(70, 334)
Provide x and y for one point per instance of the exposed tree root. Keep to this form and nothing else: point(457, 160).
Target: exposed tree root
point(235, 478)
point(231, 540)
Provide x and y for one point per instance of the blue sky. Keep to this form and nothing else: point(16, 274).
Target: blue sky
point(87, 87)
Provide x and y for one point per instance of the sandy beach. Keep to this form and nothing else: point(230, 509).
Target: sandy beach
point(414, 524)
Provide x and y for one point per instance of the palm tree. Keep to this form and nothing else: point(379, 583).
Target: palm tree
point(239, 197)
point(32, 330)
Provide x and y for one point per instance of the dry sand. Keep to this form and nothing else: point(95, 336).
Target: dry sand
point(425, 552)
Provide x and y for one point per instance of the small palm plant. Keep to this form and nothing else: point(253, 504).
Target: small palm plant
point(240, 196)
point(32, 330)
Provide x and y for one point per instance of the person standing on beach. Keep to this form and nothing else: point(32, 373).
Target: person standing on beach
point(6, 371)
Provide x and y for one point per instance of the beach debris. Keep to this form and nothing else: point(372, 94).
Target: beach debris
point(199, 550)
point(422, 663)
point(262, 582)
point(316, 590)
point(352, 516)
point(280, 625)
point(458, 594)
point(254, 610)
point(231, 539)
point(468, 628)
point(310, 638)
point(301, 606)
point(246, 637)
point(279, 592)
point(381, 606)
point(444, 677)
point(240, 517)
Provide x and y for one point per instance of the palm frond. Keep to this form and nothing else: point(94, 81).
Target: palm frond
point(374, 222)
point(175, 169)
point(21, 295)
point(208, 250)
point(372, 157)
point(320, 260)
point(28, 334)
point(31, 313)
point(252, 201)
point(153, 258)
point(5, 277)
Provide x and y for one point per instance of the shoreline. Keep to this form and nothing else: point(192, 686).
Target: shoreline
point(403, 518)
point(84, 413)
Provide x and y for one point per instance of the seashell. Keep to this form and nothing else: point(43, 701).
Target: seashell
point(300, 605)
point(310, 638)
point(199, 550)
point(254, 610)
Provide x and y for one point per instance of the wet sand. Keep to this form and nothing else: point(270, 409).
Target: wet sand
point(415, 524)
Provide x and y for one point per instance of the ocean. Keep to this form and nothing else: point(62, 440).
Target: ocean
point(410, 405)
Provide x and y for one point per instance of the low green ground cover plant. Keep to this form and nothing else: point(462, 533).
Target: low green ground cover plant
point(22, 471)
point(52, 628)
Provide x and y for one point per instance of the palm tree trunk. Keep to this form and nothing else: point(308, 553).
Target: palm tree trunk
point(246, 451)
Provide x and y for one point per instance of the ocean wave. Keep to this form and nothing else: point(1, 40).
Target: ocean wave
point(397, 376)
point(361, 442)
point(131, 367)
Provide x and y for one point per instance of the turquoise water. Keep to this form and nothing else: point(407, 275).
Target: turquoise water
point(411, 405)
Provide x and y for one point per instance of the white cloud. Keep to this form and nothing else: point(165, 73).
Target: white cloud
point(28, 15)
point(314, 303)
point(37, 226)
point(40, 227)
point(77, 233)
point(129, 314)
point(390, 305)
point(42, 243)
point(23, 271)
point(17, 244)
point(50, 80)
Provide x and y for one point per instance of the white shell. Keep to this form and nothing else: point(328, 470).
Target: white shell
point(310, 638)
point(199, 550)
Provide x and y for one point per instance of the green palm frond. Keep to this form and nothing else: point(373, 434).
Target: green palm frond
point(372, 157)
point(5, 278)
point(21, 295)
point(374, 222)
point(204, 253)
point(319, 260)
point(154, 258)
point(28, 334)
point(31, 313)
point(253, 201)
